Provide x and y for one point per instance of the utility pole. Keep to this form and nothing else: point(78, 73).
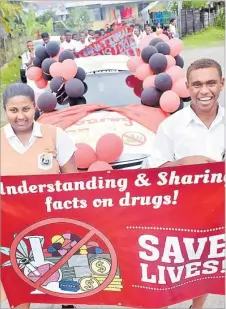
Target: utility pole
point(179, 24)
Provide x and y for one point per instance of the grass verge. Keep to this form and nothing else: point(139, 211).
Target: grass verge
point(212, 36)
point(9, 74)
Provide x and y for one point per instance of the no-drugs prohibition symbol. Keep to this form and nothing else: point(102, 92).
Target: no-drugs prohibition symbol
point(92, 231)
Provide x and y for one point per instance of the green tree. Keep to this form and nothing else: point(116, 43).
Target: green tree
point(44, 18)
point(9, 13)
point(79, 19)
point(189, 5)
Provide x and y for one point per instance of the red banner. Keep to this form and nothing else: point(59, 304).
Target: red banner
point(118, 42)
point(142, 238)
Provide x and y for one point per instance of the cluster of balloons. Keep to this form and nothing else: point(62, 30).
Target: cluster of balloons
point(66, 80)
point(159, 78)
point(108, 149)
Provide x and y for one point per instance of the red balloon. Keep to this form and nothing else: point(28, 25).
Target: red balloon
point(169, 101)
point(56, 69)
point(34, 73)
point(100, 166)
point(164, 37)
point(149, 82)
point(84, 155)
point(175, 72)
point(138, 90)
point(69, 69)
point(41, 83)
point(143, 71)
point(109, 147)
point(176, 46)
point(133, 63)
point(130, 81)
point(146, 40)
point(180, 88)
point(170, 61)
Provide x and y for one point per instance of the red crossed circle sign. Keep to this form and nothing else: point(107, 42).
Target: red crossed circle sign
point(92, 231)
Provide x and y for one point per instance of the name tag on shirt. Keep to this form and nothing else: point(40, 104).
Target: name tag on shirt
point(45, 161)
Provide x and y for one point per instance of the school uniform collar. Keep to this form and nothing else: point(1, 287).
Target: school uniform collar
point(9, 133)
point(192, 117)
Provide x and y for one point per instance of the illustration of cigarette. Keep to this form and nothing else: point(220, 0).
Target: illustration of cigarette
point(32, 269)
point(36, 248)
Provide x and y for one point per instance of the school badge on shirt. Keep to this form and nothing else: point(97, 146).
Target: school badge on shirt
point(45, 161)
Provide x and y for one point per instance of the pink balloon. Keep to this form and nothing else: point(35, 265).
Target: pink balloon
point(56, 69)
point(100, 166)
point(149, 82)
point(133, 63)
point(169, 101)
point(176, 46)
point(109, 147)
point(34, 73)
point(84, 155)
point(143, 71)
point(175, 72)
point(145, 41)
point(170, 61)
point(180, 88)
point(41, 83)
point(69, 69)
point(164, 37)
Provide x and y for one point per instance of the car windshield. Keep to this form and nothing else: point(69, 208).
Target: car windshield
point(110, 88)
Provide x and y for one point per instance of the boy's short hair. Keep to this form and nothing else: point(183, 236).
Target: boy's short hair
point(203, 64)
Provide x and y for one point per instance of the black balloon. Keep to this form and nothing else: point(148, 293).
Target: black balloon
point(158, 63)
point(163, 82)
point(41, 53)
point(81, 74)
point(74, 88)
point(187, 99)
point(179, 61)
point(46, 64)
point(163, 48)
point(37, 114)
point(52, 48)
point(150, 97)
point(155, 41)
point(47, 102)
point(47, 76)
point(66, 54)
point(86, 87)
point(37, 62)
point(76, 101)
point(56, 83)
point(147, 52)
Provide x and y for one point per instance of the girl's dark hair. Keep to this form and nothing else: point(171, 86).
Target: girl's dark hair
point(18, 89)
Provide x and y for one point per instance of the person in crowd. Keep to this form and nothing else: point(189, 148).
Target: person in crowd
point(70, 44)
point(83, 40)
point(76, 36)
point(97, 35)
point(45, 37)
point(195, 134)
point(137, 34)
point(102, 31)
point(147, 30)
point(172, 27)
point(29, 147)
point(158, 26)
point(27, 61)
point(91, 33)
point(166, 31)
point(62, 38)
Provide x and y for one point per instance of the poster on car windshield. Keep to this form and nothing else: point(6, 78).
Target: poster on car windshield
point(139, 238)
point(118, 42)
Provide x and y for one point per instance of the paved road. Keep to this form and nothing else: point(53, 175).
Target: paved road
point(189, 56)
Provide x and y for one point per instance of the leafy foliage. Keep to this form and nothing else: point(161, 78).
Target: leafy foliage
point(9, 13)
point(79, 19)
point(220, 20)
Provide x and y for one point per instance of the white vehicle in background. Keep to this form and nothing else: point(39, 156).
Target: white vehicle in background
point(106, 81)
